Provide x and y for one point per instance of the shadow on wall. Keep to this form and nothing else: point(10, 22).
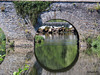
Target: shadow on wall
point(36, 70)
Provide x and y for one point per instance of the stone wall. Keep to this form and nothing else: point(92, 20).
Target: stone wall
point(83, 16)
point(22, 34)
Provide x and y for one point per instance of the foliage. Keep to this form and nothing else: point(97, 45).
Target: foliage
point(26, 67)
point(97, 7)
point(26, 30)
point(38, 38)
point(96, 42)
point(31, 9)
point(89, 41)
point(47, 28)
point(95, 23)
point(88, 51)
point(74, 4)
point(2, 45)
point(95, 45)
point(2, 57)
point(90, 9)
point(11, 44)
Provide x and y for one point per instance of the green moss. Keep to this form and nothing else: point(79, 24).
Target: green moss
point(89, 41)
point(97, 7)
point(57, 20)
point(38, 39)
point(88, 51)
point(94, 45)
point(31, 9)
point(11, 44)
point(26, 67)
point(2, 45)
point(96, 42)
